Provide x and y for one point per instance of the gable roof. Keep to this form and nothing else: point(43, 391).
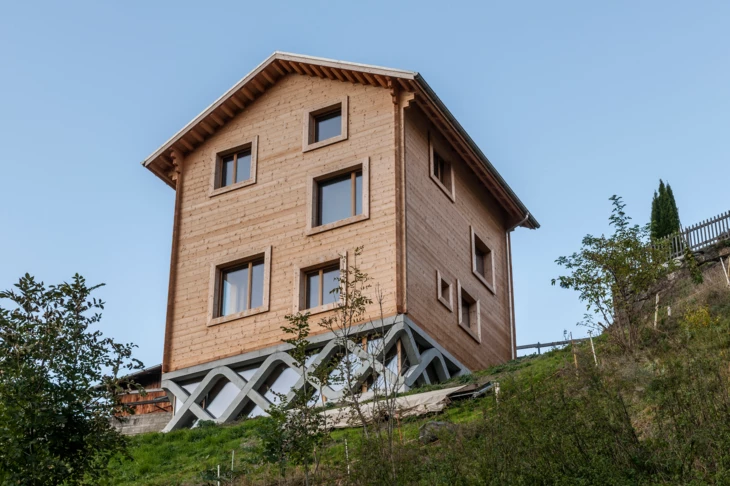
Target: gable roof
point(281, 64)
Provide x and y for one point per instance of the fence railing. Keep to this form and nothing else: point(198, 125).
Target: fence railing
point(701, 235)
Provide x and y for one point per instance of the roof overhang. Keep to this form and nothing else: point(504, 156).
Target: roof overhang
point(281, 64)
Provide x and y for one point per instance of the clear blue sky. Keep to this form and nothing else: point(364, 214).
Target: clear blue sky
point(571, 101)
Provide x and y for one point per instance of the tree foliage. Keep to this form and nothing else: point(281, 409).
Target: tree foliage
point(59, 385)
point(664, 213)
point(616, 275)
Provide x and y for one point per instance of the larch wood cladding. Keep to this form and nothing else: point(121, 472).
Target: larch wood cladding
point(438, 238)
point(273, 211)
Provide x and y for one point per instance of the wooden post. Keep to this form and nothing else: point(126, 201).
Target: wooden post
point(725, 270)
point(656, 310)
point(590, 336)
point(575, 356)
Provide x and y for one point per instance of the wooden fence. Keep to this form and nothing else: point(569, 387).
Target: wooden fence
point(701, 235)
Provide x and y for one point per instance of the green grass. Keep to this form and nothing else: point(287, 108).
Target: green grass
point(659, 415)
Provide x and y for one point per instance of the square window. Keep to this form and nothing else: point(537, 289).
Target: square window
point(482, 261)
point(469, 313)
point(324, 124)
point(441, 170)
point(327, 125)
point(338, 197)
point(317, 286)
point(234, 168)
point(239, 287)
point(443, 290)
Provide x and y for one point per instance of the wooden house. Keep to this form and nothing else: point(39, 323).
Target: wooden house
point(278, 181)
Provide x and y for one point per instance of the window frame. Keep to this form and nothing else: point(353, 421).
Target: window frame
point(474, 315)
point(447, 302)
point(300, 281)
point(433, 148)
point(489, 279)
point(313, 193)
point(308, 125)
point(215, 288)
point(217, 172)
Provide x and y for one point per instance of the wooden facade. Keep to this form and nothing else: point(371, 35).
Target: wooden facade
point(412, 229)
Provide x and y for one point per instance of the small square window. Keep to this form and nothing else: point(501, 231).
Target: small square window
point(482, 261)
point(339, 197)
point(443, 289)
point(327, 125)
point(234, 168)
point(239, 287)
point(469, 313)
point(324, 124)
point(442, 172)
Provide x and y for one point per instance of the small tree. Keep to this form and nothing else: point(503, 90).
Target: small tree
point(616, 276)
point(59, 385)
point(664, 213)
point(295, 431)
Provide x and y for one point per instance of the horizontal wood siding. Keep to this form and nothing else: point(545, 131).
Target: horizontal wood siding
point(273, 211)
point(438, 238)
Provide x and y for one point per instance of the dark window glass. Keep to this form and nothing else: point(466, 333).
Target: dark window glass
point(480, 257)
point(444, 290)
point(327, 125)
point(243, 165)
point(330, 282)
point(465, 312)
point(312, 298)
point(358, 193)
point(257, 284)
point(234, 290)
point(335, 199)
point(442, 169)
point(227, 164)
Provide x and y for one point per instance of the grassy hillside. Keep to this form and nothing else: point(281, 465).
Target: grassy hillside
point(658, 415)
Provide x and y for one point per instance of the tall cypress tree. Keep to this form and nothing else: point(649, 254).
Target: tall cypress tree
point(664, 213)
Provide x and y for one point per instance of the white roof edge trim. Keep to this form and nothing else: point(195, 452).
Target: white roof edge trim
point(410, 75)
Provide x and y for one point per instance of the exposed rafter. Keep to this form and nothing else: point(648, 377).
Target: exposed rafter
point(280, 64)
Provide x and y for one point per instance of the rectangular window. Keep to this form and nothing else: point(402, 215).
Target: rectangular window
point(239, 286)
point(469, 313)
point(242, 288)
point(339, 198)
point(443, 291)
point(322, 286)
point(442, 172)
point(441, 169)
point(482, 261)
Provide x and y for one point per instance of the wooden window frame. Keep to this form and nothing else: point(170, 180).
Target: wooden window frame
point(334, 171)
point(475, 315)
point(448, 301)
point(215, 179)
point(308, 125)
point(300, 281)
point(214, 292)
point(489, 279)
point(433, 148)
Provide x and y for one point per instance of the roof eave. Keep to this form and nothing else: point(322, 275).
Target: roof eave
point(530, 221)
